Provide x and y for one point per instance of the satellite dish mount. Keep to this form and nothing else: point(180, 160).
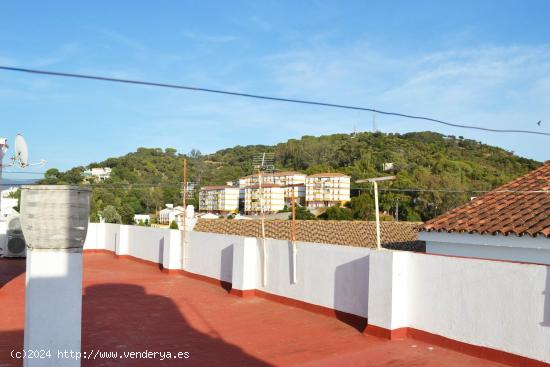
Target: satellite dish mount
point(21, 156)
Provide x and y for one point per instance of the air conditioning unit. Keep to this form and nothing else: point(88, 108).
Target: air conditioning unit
point(14, 244)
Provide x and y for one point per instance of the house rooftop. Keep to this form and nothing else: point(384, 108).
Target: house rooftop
point(395, 235)
point(218, 187)
point(328, 174)
point(519, 207)
point(131, 306)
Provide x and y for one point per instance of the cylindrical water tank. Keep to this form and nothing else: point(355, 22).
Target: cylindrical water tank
point(55, 216)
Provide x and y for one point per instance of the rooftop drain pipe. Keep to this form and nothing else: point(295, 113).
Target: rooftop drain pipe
point(54, 220)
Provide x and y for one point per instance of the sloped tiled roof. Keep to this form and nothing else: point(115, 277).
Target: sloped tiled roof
point(219, 187)
point(328, 174)
point(395, 235)
point(519, 207)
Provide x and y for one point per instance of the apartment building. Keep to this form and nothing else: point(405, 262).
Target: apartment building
point(270, 196)
point(299, 194)
point(289, 180)
point(277, 178)
point(219, 199)
point(327, 189)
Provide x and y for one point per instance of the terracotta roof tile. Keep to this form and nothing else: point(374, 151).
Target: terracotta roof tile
point(520, 207)
point(395, 235)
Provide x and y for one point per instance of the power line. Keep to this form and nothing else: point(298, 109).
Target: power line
point(257, 96)
point(24, 173)
point(178, 185)
point(457, 191)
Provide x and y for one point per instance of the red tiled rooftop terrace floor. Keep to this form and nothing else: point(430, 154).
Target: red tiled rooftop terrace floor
point(129, 306)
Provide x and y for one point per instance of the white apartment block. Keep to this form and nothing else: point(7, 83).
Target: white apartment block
point(299, 194)
point(277, 178)
point(269, 196)
point(286, 179)
point(219, 199)
point(327, 189)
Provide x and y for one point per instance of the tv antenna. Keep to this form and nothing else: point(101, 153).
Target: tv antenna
point(264, 162)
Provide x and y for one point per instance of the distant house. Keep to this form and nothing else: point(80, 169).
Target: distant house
point(100, 174)
point(168, 214)
point(511, 222)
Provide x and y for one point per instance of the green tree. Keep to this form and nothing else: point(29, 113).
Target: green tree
point(362, 207)
point(126, 214)
point(337, 213)
point(174, 225)
point(303, 214)
point(110, 215)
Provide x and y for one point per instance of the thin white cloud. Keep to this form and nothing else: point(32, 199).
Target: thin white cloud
point(122, 39)
point(199, 37)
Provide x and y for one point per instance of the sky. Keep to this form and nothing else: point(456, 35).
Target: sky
point(483, 63)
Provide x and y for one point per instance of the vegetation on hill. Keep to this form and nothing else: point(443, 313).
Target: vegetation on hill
point(145, 180)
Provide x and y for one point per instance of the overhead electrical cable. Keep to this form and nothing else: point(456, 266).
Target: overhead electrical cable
point(264, 97)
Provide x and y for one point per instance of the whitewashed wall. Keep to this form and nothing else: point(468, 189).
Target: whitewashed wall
point(332, 276)
point(147, 243)
point(500, 305)
point(211, 254)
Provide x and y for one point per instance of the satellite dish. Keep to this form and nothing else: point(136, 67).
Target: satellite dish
point(21, 151)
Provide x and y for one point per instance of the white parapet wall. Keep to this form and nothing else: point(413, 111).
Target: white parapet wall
point(499, 305)
point(157, 245)
point(211, 254)
point(494, 304)
point(332, 276)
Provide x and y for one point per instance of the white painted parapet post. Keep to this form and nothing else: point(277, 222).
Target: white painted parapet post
point(54, 220)
point(122, 240)
point(388, 294)
point(172, 256)
point(245, 267)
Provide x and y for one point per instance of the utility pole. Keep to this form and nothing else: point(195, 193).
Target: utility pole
point(184, 232)
point(294, 249)
point(374, 182)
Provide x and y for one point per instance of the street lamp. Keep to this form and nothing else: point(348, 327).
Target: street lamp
point(375, 184)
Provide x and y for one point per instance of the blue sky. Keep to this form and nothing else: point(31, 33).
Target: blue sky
point(484, 63)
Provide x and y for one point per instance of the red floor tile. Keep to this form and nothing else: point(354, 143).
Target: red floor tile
point(128, 306)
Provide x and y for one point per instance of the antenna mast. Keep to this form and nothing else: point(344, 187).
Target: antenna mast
point(263, 163)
